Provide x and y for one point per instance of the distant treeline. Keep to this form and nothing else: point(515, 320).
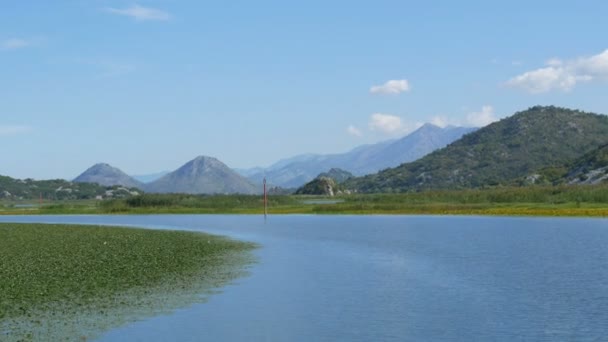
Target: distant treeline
point(531, 194)
point(206, 203)
point(533, 200)
point(543, 195)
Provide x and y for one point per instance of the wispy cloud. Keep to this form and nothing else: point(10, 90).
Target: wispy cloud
point(393, 125)
point(354, 131)
point(141, 13)
point(385, 123)
point(482, 118)
point(440, 121)
point(563, 75)
point(485, 116)
point(391, 87)
point(9, 130)
point(14, 44)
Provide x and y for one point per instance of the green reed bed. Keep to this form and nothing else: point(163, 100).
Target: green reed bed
point(67, 281)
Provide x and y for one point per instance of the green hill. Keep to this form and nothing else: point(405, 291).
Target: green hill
point(338, 175)
point(58, 189)
point(326, 183)
point(500, 153)
point(319, 186)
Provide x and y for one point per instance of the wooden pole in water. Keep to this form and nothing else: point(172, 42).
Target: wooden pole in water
point(265, 199)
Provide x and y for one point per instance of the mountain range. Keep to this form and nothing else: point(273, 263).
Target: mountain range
point(498, 154)
point(202, 175)
point(207, 175)
point(366, 159)
point(540, 145)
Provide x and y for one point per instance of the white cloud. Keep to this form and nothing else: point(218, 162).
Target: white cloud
point(6, 130)
point(385, 123)
point(141, 13)
point(14, 44)
point(391, 87)
point(440, 121)
point(482, 118)
point(563, 75)
point(354, 131)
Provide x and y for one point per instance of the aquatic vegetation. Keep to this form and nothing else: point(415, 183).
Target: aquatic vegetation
point(63, 275)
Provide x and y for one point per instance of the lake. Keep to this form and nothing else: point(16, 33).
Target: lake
point(392, 278)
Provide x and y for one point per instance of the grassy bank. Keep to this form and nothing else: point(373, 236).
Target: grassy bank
point(60, 273)
point(534, 201)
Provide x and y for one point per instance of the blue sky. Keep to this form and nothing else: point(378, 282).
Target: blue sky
point(149, 85)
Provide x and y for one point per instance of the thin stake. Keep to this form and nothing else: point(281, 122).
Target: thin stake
point(265, 199)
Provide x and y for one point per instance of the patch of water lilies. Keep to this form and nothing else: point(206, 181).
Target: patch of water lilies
point(59, 281)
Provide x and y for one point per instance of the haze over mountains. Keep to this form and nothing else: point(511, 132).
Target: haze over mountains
point(366, 159)
point(150, 177)
point(541, 145)
point(207, 175)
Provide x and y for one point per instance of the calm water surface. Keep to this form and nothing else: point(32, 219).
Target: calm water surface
point(393, 278)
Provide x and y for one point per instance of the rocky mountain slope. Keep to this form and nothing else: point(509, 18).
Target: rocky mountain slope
point(202, 175)
point(338, 175)
point(326, 183)
point(107, 175)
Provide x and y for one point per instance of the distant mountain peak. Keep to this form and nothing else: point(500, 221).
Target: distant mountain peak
point(429, 125)
point(100, 165)
point(203, 158)
point(203, 175)
point(107, 175)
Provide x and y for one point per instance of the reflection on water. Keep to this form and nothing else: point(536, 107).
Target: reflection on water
point(363, 278)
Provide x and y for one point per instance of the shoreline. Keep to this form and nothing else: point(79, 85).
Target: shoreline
point(596, 210)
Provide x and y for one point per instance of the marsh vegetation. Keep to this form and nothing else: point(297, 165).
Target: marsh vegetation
point(61, 281)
